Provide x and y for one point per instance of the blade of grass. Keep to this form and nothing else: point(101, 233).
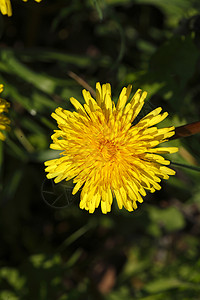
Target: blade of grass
point(98, 8)
point(186, 166)
point(74, 236)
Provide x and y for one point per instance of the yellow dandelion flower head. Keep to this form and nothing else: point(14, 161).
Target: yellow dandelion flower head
point(4, 121)
point(35, 0)
point(6, 8)
point(106, 154)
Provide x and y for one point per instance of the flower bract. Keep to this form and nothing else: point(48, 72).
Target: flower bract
point(106, 155)
point(4, 121)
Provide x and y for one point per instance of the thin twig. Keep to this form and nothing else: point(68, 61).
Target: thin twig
point(186, 130)
point(82, 82)
point(23, 140)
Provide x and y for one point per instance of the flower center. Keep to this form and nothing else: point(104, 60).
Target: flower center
point(107, 149)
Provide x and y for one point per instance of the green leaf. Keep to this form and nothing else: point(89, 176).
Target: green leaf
point(8, 295)
point(98, 8)
point(170, 218)
point(170, 69)
point(175, 59)
point(42, 261)
point(164, 284)
point(13, 277)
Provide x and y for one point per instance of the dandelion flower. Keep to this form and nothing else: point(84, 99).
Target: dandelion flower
point(4, 121)
point(6, 9)
point(35, 0)
point(106, 154)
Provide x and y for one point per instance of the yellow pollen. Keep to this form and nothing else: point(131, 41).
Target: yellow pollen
point(107, 149)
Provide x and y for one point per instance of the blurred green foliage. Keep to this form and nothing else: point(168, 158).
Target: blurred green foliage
point(67, 254)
